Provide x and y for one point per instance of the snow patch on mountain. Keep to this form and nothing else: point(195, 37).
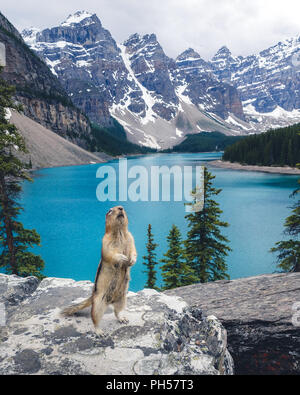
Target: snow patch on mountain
point(29, 35)
point(78, 17)
point(233, 121)
point(159, 100)
point(277, 118)
point(180, 93)
point(179, 132)
point(148, 99)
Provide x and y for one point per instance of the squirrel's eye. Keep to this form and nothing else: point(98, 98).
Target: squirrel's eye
point(109, 212)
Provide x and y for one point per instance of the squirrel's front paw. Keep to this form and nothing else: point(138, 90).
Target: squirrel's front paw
point(132, 260)
point(121, 258)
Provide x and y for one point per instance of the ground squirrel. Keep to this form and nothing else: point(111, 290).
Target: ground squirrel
point(111, 283)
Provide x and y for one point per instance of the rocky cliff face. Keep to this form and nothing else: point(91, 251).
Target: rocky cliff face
point(261, 315)
point(79, 53)
point(152, 70)
point(268, 83)
point(159, 100)
point(136, 82)
point(39, 91)
point(163, 337)
point(5, 24)
point(196, 81)
point(47, 149)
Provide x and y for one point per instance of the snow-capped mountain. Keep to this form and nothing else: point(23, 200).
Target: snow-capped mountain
point(159, 100)
point(268, 83)
point(135, 82)
point(194, 78)
point(40, 93)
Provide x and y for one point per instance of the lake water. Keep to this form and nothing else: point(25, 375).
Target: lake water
point(62, 206)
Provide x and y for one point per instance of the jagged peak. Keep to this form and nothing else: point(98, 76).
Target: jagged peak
point(289, 45)
point(29, 32)
point(223, 52)
point(77, 17)
point(188, 54)
point(150, 37)
point(137, 38)
point(224, 49)
point(29, 35)
point(30, 29)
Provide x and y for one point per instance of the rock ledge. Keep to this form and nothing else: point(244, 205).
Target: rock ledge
point(261, 315)
point(164, 335)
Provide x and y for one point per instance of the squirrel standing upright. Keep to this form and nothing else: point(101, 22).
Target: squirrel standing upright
point(111, 283)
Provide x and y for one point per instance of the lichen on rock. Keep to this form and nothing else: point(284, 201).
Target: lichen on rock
point(164, 335)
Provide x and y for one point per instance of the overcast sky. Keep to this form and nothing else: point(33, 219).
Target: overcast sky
point(245, 26)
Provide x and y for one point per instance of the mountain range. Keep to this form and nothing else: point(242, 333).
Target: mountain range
point(41, 94)
point(157, 100)
point(47, 108)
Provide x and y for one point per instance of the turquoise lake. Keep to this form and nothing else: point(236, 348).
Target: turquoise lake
point(62, 206)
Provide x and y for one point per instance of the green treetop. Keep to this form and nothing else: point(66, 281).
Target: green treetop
point(175, 271)
point(288, 258)
point(150, 260)
point(206, 247)
point(14, 239)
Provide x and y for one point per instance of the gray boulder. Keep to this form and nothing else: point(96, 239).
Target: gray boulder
point(164, 336)
point(14, 289)
point(261, 315)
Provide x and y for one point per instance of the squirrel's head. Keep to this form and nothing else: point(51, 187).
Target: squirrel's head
point(116, 219)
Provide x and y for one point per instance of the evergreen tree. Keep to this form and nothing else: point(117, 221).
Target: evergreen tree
point(290, 154)
point(14, 239)
point(150, 260)
point(205, 245)
point(288, 258)
point(176, 272)
point(274, 148)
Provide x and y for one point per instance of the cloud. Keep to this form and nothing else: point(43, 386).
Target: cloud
point(245, 26)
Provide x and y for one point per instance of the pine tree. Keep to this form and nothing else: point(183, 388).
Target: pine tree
point(274, 148)
point(175, 271)
point(14, 239)
point(290, 155)
point(205, 245)
point(150, 260)
point(288, 258)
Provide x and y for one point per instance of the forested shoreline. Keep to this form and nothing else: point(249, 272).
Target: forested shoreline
point(280, 147)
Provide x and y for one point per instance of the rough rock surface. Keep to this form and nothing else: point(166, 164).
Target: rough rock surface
point(140, 85)
point(135, 82)
point(163, 336)
point(41, 94)
point(47, 149)
point(195, 79)
point(268, 82)
point(262, 318)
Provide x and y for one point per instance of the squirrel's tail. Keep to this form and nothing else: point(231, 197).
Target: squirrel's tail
point(76, 307)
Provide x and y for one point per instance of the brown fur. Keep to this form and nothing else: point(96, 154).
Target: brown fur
point(111, 283)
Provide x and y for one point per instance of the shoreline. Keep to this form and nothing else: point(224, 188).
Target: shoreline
point(107, 159)
point(216, 163)
point(263, 169)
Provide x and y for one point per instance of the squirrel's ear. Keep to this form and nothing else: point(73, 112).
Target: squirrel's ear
point(109, 211)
